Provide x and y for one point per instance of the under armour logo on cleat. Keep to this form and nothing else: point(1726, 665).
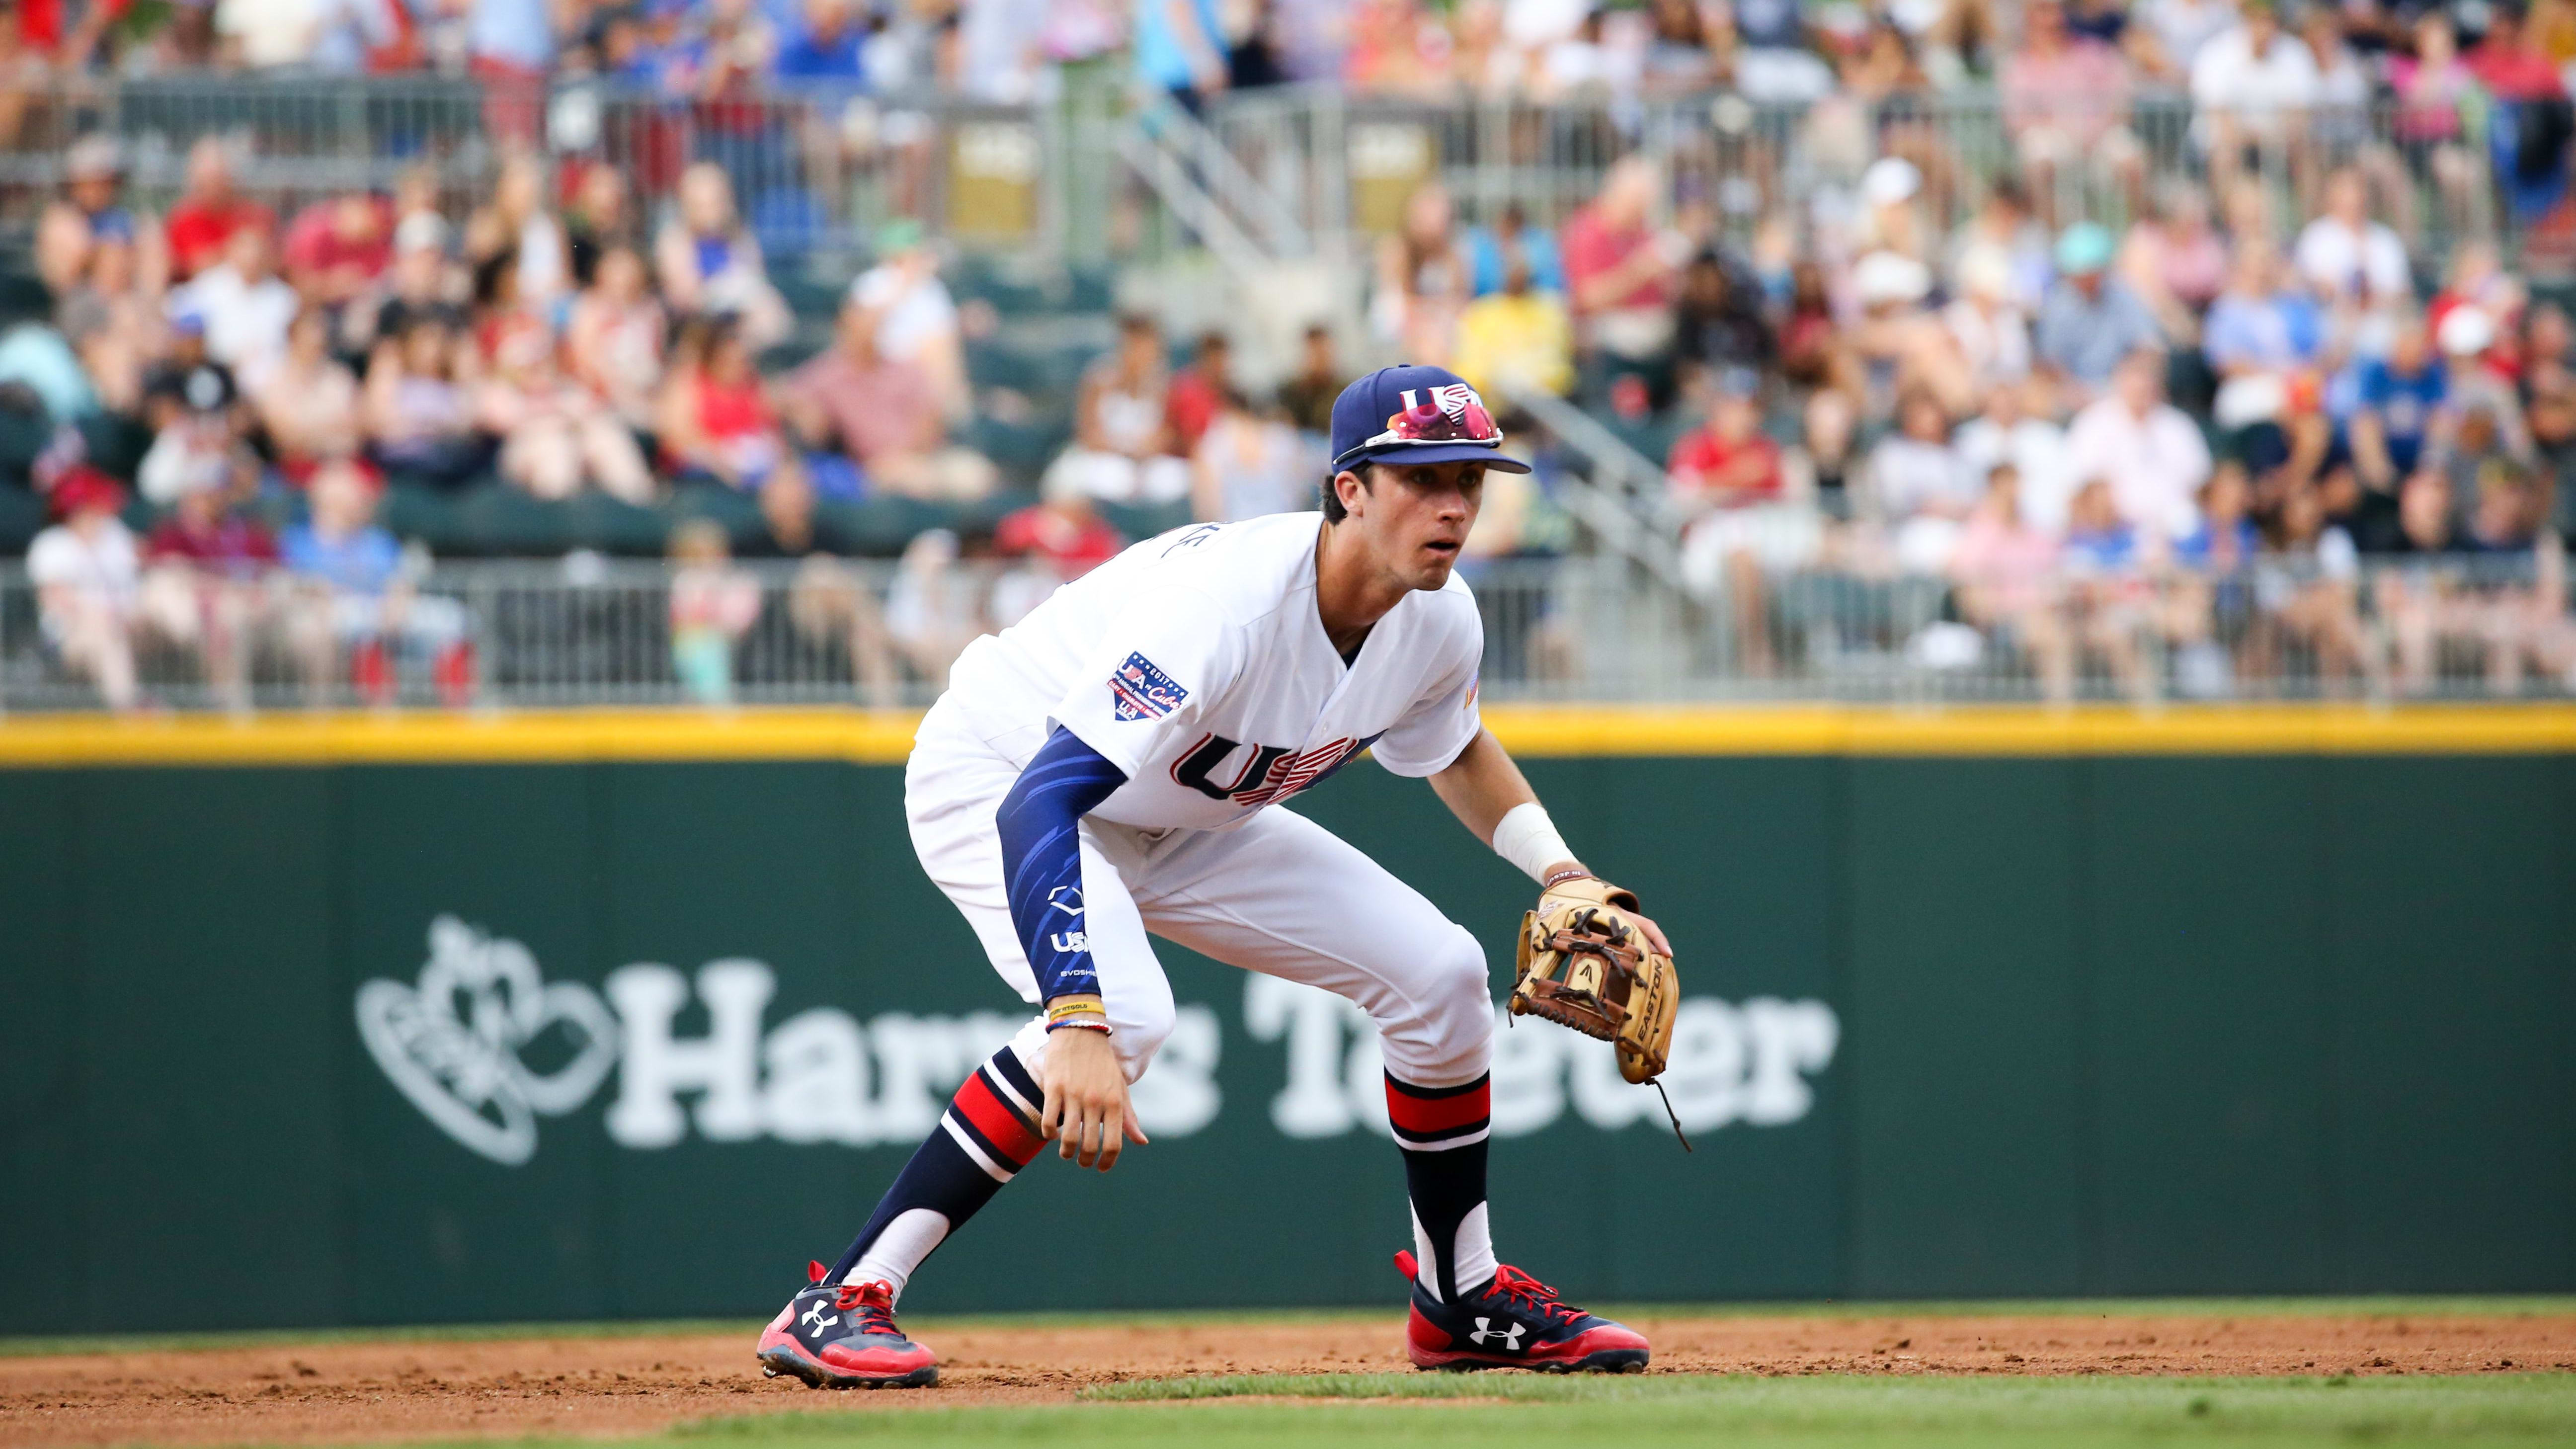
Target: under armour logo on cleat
point(813, 1316)
point(1511, 1337)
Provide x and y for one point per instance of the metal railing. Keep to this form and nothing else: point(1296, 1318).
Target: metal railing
point(585, 632)
point(1618, 494)
point(813, 168)
point(1347, 162)
point(1291, 171)
point(296, 140)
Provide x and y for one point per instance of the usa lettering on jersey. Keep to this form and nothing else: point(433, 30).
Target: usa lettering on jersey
point(1141, 691)
point(1272, 774)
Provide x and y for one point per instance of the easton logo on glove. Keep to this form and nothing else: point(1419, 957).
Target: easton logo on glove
point(1584, 964)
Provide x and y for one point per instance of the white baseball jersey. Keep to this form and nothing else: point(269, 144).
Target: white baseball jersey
point(1197, 664)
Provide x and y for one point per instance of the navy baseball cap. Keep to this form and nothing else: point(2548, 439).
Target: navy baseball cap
point(1416, 415)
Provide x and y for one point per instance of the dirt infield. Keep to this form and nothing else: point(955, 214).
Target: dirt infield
point(344, 1392)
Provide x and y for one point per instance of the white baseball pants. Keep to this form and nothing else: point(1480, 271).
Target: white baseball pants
point(1277, 894)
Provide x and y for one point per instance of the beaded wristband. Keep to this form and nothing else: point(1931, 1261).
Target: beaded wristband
point(1080, 1023)
point(1562, 876)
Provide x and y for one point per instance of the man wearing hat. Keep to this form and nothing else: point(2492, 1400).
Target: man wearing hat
point(87, 574)
point(2090, 320)
point(1097, 774)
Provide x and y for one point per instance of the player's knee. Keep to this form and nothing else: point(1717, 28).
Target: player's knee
point(1458, 1007)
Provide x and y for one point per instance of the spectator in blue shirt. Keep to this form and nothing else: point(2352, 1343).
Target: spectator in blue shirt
point(2261, 335)
point(830, 49)
point(2401, 400)
point(339, 544)
point(356, 595)
point(1491, 249)
point(2090, 320)
point(1180, 48)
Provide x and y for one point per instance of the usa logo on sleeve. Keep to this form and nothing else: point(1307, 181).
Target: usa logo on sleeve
point(1141, 691)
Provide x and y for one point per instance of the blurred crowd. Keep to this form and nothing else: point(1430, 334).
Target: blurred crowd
point(2223, 440)
point(218, 371)
point(235, 397)
point(2173, 454)
point(2093, 56)
point(993, 49)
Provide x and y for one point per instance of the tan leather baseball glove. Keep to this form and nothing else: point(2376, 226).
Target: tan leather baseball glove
point(1585, 965)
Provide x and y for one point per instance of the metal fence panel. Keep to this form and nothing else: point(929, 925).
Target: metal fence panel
point(822, 168)
point(1349, 162)
point(582, 632)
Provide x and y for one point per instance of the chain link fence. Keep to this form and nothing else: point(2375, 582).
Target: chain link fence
point(589, 632)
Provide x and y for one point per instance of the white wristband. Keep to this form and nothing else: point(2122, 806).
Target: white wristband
point(1528, 839)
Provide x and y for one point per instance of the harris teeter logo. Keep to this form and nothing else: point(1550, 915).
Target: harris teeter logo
point(486, 1049)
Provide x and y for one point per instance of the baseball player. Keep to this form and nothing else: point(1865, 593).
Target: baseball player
point(1101, 771)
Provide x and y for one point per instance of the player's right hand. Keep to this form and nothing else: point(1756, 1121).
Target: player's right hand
point(1086, 1114)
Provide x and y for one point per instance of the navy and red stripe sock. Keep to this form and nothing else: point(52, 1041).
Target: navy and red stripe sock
point(1443, 1132)
point(988, 1133)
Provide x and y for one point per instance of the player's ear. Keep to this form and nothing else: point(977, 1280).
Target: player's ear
point(1358, 488)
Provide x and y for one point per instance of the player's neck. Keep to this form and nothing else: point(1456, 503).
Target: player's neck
point(1351, 593)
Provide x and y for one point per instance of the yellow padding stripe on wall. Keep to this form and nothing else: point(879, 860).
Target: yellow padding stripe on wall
point(885, 737)
point(2020, 730)
point(864, 736)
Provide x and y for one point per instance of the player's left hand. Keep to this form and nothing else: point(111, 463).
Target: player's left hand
point(1590, 962)
point(1653, 933)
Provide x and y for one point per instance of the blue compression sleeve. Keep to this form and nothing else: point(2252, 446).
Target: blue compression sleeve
point(1041, 823)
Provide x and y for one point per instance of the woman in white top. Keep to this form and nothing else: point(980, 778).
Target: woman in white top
point(613, 343)
point(1924, 490)
point(516, 221)
point(1122, 441)
point(87, 579)
point(1249, 464)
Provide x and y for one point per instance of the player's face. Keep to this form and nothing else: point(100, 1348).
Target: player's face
point(1414, 518)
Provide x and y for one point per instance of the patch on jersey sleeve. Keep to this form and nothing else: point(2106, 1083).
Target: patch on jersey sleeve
point(1141, 691)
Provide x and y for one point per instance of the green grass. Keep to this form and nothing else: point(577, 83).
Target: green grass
point(930, 1324)
point(1647, 1412)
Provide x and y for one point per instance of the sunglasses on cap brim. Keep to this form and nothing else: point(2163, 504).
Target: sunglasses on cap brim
point(1429, 423)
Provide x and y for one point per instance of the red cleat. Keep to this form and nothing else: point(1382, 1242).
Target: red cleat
point(1516, 1322)
point(842, 1336)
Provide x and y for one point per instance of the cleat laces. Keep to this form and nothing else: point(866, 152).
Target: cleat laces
point(872, 1304)
point(1531, 1296)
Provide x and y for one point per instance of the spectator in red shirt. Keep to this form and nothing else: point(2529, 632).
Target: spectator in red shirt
point(2509, 66)
point(202, 572)
point(1621, 270)
point(1198, 392)
point(337, 249)
point(716, 422)
point(2477, 278)
point(1061, 530)
point(1726, 462)
point(1727, 485)
point(201, 533)
point(883, 414)
point(209, 212)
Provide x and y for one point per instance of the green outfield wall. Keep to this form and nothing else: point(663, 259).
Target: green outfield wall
point(333, 1042)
